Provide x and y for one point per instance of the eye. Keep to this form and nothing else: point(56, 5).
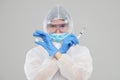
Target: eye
point(53, 26)
point(62, 26)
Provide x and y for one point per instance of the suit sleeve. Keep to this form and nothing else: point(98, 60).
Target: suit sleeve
point(37, 68)
point(77, 65)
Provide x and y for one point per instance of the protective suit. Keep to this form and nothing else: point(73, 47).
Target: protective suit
point(74, 64)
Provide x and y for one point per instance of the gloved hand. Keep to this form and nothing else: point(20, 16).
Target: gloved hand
point(46, 43)
point(68, 42)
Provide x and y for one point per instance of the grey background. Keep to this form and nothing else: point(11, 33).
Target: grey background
point(19, 19)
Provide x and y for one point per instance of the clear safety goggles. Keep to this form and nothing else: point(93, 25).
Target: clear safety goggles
point(61, 27)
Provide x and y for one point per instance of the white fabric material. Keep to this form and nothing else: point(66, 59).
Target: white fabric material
point(75, 65)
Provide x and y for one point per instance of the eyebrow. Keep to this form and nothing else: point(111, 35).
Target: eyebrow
point(58, 19)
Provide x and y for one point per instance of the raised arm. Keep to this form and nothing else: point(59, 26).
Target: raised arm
point(37, 68)
point(77, 66)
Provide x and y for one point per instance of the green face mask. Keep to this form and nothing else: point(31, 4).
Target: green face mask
point(58, 37)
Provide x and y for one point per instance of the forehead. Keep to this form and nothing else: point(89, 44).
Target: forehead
point(57, 21)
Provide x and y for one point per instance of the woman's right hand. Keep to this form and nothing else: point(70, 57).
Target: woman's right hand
point(68, 42)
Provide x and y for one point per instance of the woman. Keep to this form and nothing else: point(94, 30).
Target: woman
point(58, 56)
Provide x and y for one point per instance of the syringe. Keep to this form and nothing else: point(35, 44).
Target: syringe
point(82, 32)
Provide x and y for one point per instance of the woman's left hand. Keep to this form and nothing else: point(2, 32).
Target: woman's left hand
point(46, 43)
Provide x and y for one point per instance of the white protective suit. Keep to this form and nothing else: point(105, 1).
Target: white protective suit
point(76, 64)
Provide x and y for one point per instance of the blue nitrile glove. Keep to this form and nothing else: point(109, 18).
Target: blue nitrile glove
point(46, 43)
point(68, 42)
